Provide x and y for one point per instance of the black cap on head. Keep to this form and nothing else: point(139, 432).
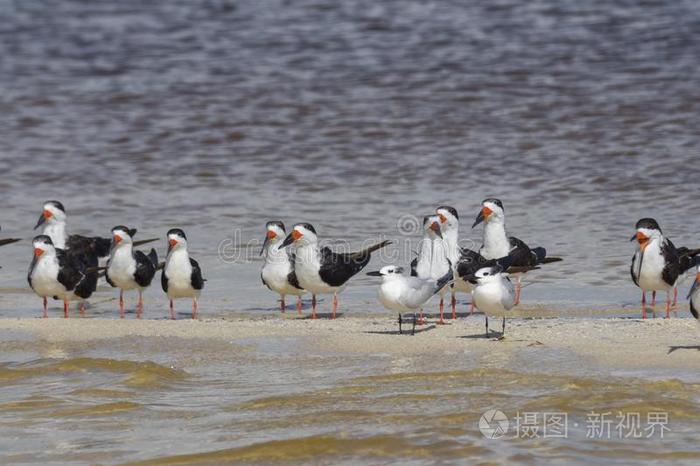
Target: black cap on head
point(130, 231)
point(451, 210)
point(308, 227)
point(43, 239)
point(176, 231)
point(648, 223)
point(494, 201)
point(275, 223)
point(57, 205)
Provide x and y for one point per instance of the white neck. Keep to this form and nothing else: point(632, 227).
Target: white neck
point(56, 230)
point(496, 244)
point(451, 240)
point(275, 255)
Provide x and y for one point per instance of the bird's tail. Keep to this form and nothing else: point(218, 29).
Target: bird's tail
point(153, 257)
point(371, 249)
point(541, 254)
point(687, 258)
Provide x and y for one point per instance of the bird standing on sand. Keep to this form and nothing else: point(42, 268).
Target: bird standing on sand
point(57, 273)
point(694, 293)
point(498, 244)
point(278, 270)
point(493, 292)
point(128, 269)
point(658, 264)
point(322, 271)
point(407, 294)
point(182, 277)
point(432, 262)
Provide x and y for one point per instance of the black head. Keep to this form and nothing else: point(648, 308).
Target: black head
point(648, 223)
point(450, 209)
point(45, 239)
point(57, 205)
point(130, 231)
point(308, 226)
point(275, 223)
point(495, 201)
point(177, 231)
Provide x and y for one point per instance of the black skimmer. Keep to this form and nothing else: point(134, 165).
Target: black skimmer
point(322, 271)
point(57, 273)
point(658, 264)
point(407, 294)
point(278, 270)
point(53, 218)
point(128, 269)
point(432, 262)
point(182, 277)
point(694, 293)
point(497, 244)
point(493, 292)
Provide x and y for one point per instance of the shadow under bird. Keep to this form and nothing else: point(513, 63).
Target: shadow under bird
point(181, 277)
point(431, 262)
point(407, 294)
point(322, 271)
point(57, 273)
point(657, 265)
point(278, 270)
point(128, 269)
point(497, 244)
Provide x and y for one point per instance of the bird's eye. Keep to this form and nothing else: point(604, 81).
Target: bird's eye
point(486, 274)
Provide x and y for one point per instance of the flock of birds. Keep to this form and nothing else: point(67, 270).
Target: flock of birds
point(67, 267)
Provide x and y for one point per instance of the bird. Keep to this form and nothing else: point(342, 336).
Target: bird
point(458, 256)
point(497, 244)
point(182, 276)
point(407, 294)
point(694, 293)
point(657, 264)
point(322, 271)
point(493, 292)
point(57, 273)
point(278, 270)
point(128, 269)
point(53, 218)
point(432, 262)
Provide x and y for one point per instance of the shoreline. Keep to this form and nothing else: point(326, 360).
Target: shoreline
point(655, 347)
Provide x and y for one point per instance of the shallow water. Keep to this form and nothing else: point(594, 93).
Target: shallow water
point(359, 117)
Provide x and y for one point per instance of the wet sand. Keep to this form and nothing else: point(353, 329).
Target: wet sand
point(614, 345)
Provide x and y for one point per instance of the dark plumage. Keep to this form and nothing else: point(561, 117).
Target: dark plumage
point(338, 268)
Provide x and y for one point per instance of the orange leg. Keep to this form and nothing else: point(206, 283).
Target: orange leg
point(172, 310)
point(46, 308)
point(313, 306)
point(518, 287)
point(675, 297)
point(66, 305)
point(471, 307)
point(195, 307)
point(668, 305)
point(82, 308)
point(653, 298)
point(644, 305)
point(335, 304)
point(283, 305)
point(139, 306)
point(121, 304)
point(442, 310)
point(299, 304)
point(454, 306)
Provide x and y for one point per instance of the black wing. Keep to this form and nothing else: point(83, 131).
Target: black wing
point(634, 277)
point(414, 265)
point(145, 267)
point(95, 245)
point(687, 258)
point(164, 280)
point(338, 268)
point(694, 311)
point(293, 280)
point(469, 262)
point(197, 280)
point(5, 241)
point(521, 254)
point(673, 266)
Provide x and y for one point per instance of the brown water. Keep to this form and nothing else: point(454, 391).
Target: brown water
point(357, 116)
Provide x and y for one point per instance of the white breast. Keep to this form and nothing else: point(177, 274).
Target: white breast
point(653, 263)
point(275, 271)
point(45, 279)
point(178, 270)
point(496, 243)
point(57, 232)
point(121, 268)
point(307, 266)
point(488, 297)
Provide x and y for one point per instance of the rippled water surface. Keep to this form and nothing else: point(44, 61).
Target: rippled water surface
point(216, 116)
